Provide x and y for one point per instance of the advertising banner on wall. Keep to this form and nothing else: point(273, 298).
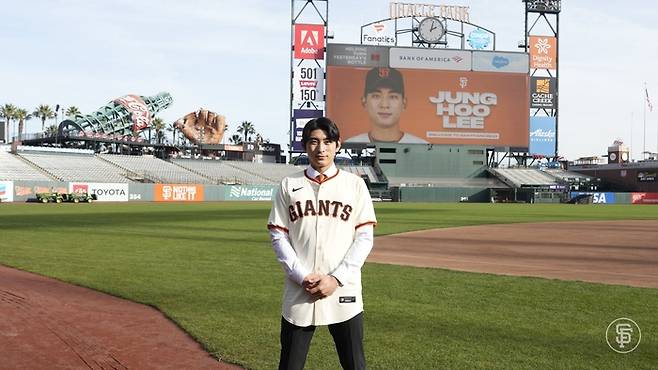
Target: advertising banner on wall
point(105, 192)
point(250, 192)
point(644, 198)
point(494, 61)
point(422, 58)
point(431, 106)
point(308, 84)
point(357, 55)
point(543, 52)
point(6, 191)
point(300, 117)
point(309, 41)
point(542, 136)
point(26, 190)
point(597, 198)
point(542, 92)
point(178, 193)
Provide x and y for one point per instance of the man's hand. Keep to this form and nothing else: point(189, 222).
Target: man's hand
point(202, 126)
point(324, 287)
point(311, 281)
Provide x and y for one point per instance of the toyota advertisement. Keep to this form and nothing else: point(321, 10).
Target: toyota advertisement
point(105, 192)
point(431, 96)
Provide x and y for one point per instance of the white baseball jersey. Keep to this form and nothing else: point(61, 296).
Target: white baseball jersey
point(321, 220)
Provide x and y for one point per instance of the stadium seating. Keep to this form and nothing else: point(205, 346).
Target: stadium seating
point(476, 182)
point(75, 166)
point(14, 168)
point(155, 170)
point(362, 171)
point(235, 172)
point(520, 177)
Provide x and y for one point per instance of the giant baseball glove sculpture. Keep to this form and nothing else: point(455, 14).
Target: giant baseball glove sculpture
point(202, 127)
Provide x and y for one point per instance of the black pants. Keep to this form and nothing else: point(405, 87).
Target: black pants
point(348, 338)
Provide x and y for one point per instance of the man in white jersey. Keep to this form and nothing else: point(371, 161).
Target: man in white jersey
point(384, 101)
point(321, 226)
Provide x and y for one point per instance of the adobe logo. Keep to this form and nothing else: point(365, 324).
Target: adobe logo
point(309, 41)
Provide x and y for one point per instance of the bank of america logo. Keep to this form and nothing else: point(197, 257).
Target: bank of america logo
point(544, 86)
point(235, 191)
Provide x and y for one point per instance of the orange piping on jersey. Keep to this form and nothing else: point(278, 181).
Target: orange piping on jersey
point(373, 223)
point(270, 226)
point(325, 180)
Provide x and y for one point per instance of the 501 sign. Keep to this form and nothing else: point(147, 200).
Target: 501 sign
point(308, 84)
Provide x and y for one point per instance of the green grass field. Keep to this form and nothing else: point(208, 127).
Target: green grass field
point(210, 268)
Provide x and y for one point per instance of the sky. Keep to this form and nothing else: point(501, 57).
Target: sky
point(233, 57)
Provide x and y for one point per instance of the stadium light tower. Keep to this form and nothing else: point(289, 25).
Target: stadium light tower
point(541, 42)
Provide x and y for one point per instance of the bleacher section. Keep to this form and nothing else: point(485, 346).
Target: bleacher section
point(524, 177)
point(75, 166)
point(272, 172)
point(154, 170)
point(568, 176)
point(476, 182)
point(15, 168)
point(362, 171)
point(220, 172)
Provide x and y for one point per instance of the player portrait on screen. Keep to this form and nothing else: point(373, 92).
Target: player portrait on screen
point(384, 101)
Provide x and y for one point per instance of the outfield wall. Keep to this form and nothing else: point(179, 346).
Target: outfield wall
point(24, 191)
point(437, 194)
point(618, 198)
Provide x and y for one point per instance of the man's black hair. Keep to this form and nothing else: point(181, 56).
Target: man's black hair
point(322, 123)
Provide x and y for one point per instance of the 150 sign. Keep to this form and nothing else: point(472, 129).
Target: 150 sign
point(308, 84)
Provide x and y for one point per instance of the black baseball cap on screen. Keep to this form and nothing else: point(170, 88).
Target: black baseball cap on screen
point(381, 77)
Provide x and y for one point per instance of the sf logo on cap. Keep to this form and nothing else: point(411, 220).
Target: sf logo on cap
point(383, 72)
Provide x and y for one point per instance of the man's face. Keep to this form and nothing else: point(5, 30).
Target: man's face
point(321, 150)
point(384, 107)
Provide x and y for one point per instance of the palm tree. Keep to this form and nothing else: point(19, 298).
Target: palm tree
point(72, 111)
point(236, 139)
point(171, 128)
point(247, 129)
point(22, 116)
point(51, 131)
point(159, 126)
point(7, 112)
point(44, 112)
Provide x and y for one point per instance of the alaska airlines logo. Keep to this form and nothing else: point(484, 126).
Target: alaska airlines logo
point(323, 208)
point(539, 133)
